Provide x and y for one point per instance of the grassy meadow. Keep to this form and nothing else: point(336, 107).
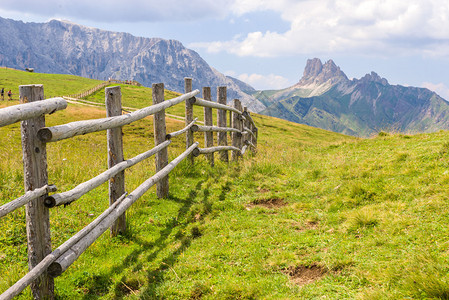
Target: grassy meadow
point(313, 214)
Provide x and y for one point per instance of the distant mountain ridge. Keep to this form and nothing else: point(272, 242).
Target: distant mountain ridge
point(326, 98)
point(67, 48)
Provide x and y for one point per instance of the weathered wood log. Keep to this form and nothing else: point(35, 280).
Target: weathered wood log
point(208, 121)
point(221, 122)
point(249, 143)
point(189, 115)
point(256, 133)
point(247, 123)
point(204, 103)
point(199, 151)
point(250, 132)
point(160, 133)
point(68, 257)
point(25, 111)
point(29, 196)
point(199, 128)
point(168, 136)
point(42, 267)
point(75, 193)
point(236, 136)
point(113, 102)
point(247, 115)
point(60, 132)
point(35, 176)
point(241, 121)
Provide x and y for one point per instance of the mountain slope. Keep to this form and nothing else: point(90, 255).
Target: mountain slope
point(326, 98)
point(66, 48)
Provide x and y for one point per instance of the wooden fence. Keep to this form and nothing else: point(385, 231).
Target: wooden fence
point(45, 264)
point(102, 85)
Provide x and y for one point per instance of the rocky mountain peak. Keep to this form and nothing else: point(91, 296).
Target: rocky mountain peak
point(374, 77)
point(317, 73)
point(313, 68)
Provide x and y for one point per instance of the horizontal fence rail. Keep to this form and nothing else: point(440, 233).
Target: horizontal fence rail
point(29, 196)
point(75, 193)
point(249, 131)
point(179, 132)
point(13, 114)
point(60, 132)
point(247, 115)
point(204, 103)
point(200, 128)
point(214, 149)
point(241, 130)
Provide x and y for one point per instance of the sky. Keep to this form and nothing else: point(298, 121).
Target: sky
point(266, 43)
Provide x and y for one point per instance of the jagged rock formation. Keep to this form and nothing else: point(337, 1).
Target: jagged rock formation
point(315, 73)
point(66, 48)
point(326, 98)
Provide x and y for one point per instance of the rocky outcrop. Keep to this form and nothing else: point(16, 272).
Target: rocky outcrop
point(67, 48)
point(315, 73)
point(373, 77)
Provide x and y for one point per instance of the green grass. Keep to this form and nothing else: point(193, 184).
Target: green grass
point(370, 214)
point(54, 84)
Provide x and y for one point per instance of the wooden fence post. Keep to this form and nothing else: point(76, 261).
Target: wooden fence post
point(221, 120)
point(241, 124)
point(113, 101)
point(236, 136)
point(160, 132)
point(256, 133)
point(208, 136)
point(254, 130)
point(248, 125)
point(189, 117)
point(35, 176)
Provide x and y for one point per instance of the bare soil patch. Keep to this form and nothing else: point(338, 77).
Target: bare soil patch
point(308, 225)
point(269, 202)
point(311, 224)
point(262, 191)
point(302, 275)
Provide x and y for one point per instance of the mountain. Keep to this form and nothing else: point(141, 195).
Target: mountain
point(67, 48)
point(326, 98)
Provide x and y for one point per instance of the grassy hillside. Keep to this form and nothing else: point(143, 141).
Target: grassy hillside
point(54, 84)
point(314, 214)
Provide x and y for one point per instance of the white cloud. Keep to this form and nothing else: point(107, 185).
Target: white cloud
point(439, 88)
point(338, 26)
point(265, 82)
point(318, 27)
point(120, 11)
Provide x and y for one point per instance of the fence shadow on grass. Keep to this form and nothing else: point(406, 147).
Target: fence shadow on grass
point(99, 285)
point(156, 275)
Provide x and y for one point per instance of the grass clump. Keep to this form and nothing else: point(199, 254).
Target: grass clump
point(360, 193)
point(362, 218)
point(199, 290)
point(427, 277)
